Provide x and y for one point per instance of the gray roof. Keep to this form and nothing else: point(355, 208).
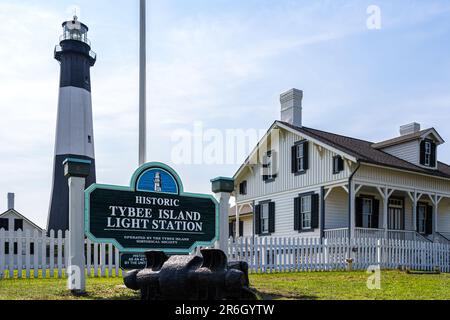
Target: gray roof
point(364, 151)
point(405, 138)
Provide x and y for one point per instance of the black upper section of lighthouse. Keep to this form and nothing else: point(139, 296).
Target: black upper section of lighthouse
point(75, 55)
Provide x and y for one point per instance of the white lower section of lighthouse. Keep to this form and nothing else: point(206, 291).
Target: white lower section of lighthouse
point(74, 125)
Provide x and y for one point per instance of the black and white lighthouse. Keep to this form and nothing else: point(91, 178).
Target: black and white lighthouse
point(74, 129)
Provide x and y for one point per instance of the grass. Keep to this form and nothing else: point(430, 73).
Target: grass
point(55, 289)
point(395, 285)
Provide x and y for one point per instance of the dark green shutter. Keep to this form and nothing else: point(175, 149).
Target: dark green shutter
point(341, 164)
point(241, 228)
point(433, 155)
point(264, 168)
point(272, 217)
point(422, 152)
point(314, 211)
point(297, 224)
point(230, 230)
point(417, 217)
point(338, 164)
point(294, 159)
point(306, 155)
point(429, 220)
point(258, 220)
point(376, 213)
point(358, 212)
point(274, 164)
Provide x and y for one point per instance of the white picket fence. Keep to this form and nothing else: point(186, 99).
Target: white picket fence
point(26, 255)
point(36, 255)
point(269, 254)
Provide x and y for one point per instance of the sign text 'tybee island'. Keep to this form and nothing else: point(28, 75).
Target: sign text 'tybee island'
point(153, 214)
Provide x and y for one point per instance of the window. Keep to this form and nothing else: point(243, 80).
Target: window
point(367, 212)
point(300, 161)
point(243, 188)
point(89, 139)
point(269, 167)
point(427, 153)
point(305, 212)
point(4, 224)
point(18, 224)
point(338, 164)
point(395, 214)
point(422, 218)
point(6, 247)
point(232, 229)
point(265, 218)
point(300, 158)
point(32, 248)
point(15, 248)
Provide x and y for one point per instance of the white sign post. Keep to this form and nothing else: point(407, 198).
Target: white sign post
point(76, 170)
point(223, 188)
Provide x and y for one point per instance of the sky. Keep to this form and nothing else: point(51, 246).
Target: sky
point(221, 64)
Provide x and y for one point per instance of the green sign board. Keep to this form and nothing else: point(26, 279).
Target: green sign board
point(154, 213)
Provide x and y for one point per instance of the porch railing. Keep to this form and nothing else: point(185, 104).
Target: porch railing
point(369, 233)
point(404, 235)
point(336, 233)
point(442, 238)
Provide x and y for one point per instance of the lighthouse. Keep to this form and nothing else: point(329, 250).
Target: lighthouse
point(74, 128)
point(157, 182)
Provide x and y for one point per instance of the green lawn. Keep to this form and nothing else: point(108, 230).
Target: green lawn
point(319, 285)
point(395, 285)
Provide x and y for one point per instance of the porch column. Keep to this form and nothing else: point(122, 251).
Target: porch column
point(352, 225)
point(385, 193)
point(435, 217)
point(385, 212)
point(436, 201)
point(414, 200)
point(237, 222)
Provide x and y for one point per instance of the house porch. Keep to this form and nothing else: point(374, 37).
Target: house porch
point(385, 212)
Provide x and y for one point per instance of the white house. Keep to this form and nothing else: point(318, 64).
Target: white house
point(245, 221)
point(300, 181)
point(11, 221)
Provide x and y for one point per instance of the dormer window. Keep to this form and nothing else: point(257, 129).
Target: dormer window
point(428, 153)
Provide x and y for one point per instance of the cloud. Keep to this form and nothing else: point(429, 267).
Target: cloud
point(29, 80)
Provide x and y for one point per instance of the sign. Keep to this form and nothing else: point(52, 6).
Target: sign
point(132, 261)
point(154, 213)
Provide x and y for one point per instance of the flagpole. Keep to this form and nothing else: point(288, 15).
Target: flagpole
point(142, 84)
